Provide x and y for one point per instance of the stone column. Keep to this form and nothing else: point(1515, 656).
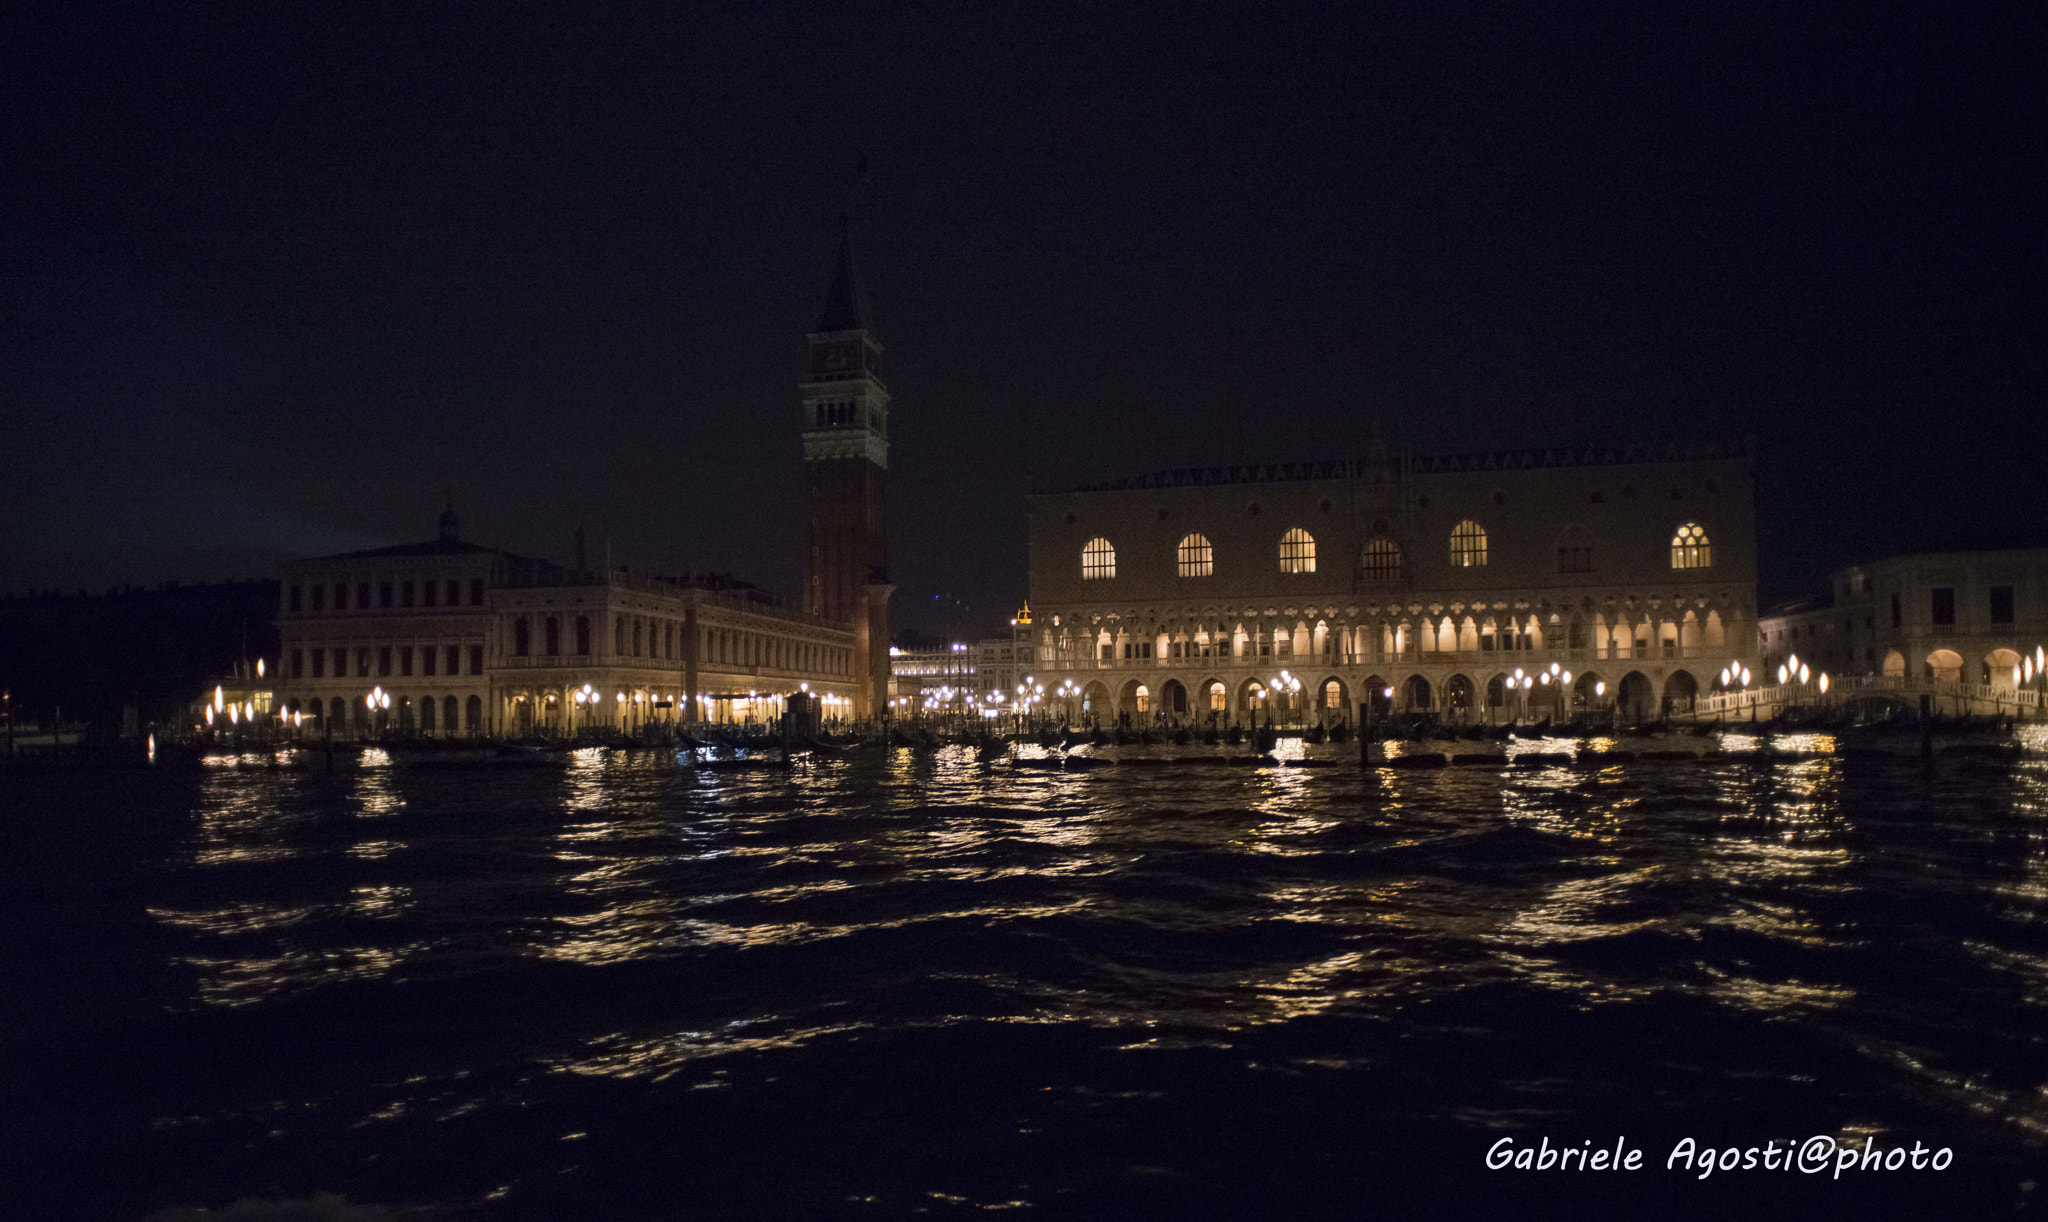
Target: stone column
point(871, 650)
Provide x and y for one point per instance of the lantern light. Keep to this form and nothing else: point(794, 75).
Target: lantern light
point(1600, 688)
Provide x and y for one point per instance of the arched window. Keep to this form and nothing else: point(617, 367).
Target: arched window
point(583, 634)
point(522, 641)
point(473, 715)
point(1382, 560)
point(551, 635)
point(1689, 548)
point(1297, 552)
point(448, 715)
point(1468, 544)
point(1195, 558)
point(618, 637)
point(1098, 560)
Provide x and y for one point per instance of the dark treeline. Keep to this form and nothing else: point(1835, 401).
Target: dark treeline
point(93, 656)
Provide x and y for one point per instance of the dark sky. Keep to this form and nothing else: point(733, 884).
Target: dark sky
point(281, 279)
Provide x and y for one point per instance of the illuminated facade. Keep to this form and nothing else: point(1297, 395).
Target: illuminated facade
point(1299, 589)
point(1962, 616)
point(451, 638)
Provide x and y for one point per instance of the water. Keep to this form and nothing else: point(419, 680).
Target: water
point(913, 986)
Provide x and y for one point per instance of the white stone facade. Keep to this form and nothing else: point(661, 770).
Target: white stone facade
point(1437, 577)
point(1968, 615)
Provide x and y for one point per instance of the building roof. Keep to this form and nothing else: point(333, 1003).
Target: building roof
point(1436, 464)
point(432, 547)
point(1799, 606)
point(846, 302)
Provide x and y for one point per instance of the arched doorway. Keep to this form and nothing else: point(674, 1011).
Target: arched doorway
point(1333, 701)
point(1251, 697)
point(1895, 665)
point(1632, 702)
point(473, 715)
point(1680, 690)
point(1173, 699)
point(1458, 697)
point(1945, 665)
point(1217, 700)
point(1380, 694)
point(1132, 701)
point(1095, 702)
point(1415, 694)
point(1586, 691)
point(1998, 668)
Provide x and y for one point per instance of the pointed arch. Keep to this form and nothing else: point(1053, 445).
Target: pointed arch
point(1690, 548)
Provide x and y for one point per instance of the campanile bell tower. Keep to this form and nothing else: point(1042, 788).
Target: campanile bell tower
point(846, 465)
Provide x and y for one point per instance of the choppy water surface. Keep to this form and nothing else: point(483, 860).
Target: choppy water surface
point(913, 985)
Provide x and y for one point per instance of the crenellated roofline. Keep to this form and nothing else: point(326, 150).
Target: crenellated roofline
point(1399, 466)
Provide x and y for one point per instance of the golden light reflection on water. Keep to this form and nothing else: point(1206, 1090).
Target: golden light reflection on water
point(376, 793)
point(231, 982)
point(657, 1059)
point(628, 834)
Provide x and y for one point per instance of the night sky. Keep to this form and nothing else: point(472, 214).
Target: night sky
point(280, 280)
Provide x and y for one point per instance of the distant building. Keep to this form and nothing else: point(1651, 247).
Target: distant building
point(465, 639)
point(1210, 593)
point(922, 677)
point(1967, 614)
point(960, 675)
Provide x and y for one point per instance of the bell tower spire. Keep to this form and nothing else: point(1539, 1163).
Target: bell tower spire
point(845, 428)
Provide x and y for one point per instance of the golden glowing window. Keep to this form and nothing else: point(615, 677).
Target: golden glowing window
point(1195, 558)
point(1689, 548)
point(1217, 698)
point(1468, 544)
point(1098, 559)
point(1297, 552)
point(1382, 560)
